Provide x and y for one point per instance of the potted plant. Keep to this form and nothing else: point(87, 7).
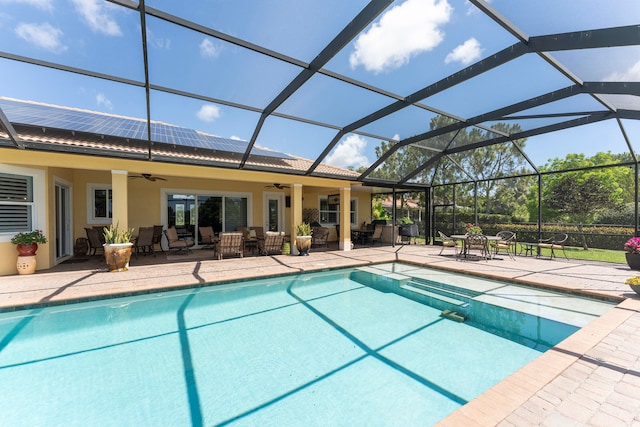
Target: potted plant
point(634, 283)
point(303, 238)
point(632, 249)
point(117, 247)
point(27, 245)
point(472, 229)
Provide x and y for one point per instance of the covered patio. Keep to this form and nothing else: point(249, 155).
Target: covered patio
point(591, 377)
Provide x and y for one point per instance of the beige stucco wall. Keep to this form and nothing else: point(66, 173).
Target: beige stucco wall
point(144, 197)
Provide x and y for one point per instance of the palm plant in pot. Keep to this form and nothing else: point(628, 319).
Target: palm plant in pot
point(303, 238)
point(117, 247)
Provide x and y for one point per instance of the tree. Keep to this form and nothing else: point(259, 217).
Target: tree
point(581, 198)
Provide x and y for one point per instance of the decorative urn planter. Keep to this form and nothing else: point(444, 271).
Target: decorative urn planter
point(26, 258)
point(303, 244)
point(633, 260)
point(117, 256)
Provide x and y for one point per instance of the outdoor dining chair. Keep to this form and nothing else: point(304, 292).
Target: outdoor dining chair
point(554, 243)
point(175, 243)
point(229, 243)
point(506, 244)
point(477, 242)
point(448, 242)
point(144, 242)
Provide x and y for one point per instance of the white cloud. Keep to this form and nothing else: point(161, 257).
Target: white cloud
point(208, 113)
point(465, 53)
point(40, 4)
point(208, 49)
point(158, 42)
point(96, 14)
point(402, 32)
point(632, 74)
point(43, 35)
point(103, 101)
point(236, 138)
point(349, 153)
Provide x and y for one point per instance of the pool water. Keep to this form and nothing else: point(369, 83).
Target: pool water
point(353, 346)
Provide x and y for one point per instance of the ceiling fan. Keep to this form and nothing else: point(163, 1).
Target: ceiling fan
point(148, 177)
point(276, 185)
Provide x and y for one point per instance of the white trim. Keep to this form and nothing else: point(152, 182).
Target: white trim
point(351, 200)
point(38, 207)
point(91, 203)
point(59, 182)
point(272, 195)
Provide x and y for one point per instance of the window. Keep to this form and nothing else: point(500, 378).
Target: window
point(16, 203)
point(330, 213)
point(99, 205)
point(22, 200)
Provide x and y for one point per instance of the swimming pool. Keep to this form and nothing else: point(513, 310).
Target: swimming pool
point(364, 346)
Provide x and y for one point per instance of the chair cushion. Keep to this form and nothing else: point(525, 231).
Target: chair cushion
point(449, 244)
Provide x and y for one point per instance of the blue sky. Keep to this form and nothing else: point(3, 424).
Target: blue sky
point(412, 44)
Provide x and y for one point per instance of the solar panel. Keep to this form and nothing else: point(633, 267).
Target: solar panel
point(27, 113)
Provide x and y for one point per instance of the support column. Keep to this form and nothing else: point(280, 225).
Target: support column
point(345, 219)
point(296, 214)
point(120, 199)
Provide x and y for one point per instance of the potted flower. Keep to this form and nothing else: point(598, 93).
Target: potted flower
point(632, 249)
point(27, 245)
point(472, 229)
point(634, 283)
point(117, 247)
point(303, 238)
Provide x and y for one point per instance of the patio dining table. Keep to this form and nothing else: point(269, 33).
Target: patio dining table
point(463, 238)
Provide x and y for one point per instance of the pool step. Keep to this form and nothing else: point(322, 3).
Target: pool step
point(457, 290)
point(421, 289)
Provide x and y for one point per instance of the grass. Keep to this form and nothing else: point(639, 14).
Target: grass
point(572, 252)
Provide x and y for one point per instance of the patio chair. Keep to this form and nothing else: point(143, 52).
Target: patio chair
point(93, 237)
point(229, 243)
point(157, 236)
point(477, 242)
point(207, 236)
point(448, 242)
point(507, 243)
point(554, 243)
point(144, 241)
point(376, 237)
point(272, 243)
point(175, 243)
point(319, 236)
point(259, 232)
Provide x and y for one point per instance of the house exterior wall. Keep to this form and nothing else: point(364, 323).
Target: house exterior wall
point(144, 198)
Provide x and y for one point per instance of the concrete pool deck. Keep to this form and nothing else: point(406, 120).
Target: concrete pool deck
point(591, 378)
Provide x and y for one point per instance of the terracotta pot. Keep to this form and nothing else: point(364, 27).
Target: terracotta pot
point(27, 249)
point(633, 260)
point(117, 256)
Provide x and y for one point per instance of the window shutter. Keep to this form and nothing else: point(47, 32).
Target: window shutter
point(16, 197)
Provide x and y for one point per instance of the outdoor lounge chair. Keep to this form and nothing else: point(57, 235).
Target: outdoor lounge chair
point(144, 241)
point(554, 243)
point(207, 236)
point(230, 243)
point(448, 242)
point(176, 243)
point(93, 237)
point(319, 236)
point(157, 236)
point(272, 243)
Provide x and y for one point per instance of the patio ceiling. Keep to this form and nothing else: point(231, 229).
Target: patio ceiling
point(329, 81)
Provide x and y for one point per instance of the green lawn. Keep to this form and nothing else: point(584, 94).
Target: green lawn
point(591, 254)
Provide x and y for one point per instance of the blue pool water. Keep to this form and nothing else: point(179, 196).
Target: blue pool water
point(346, 347)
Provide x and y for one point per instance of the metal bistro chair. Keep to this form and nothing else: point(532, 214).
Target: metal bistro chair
point(507, 243)
point(554, 243)
point(478, 242)
point(448, 242)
